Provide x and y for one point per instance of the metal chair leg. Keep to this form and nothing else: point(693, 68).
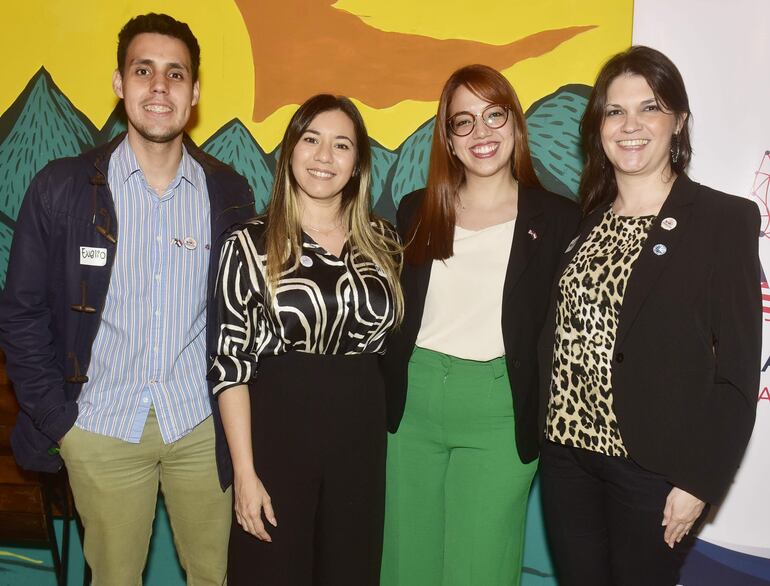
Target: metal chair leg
point(66, 519)
point(86, 567)
point(61, 580)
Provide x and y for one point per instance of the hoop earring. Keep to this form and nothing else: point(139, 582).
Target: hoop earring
point(675, 148)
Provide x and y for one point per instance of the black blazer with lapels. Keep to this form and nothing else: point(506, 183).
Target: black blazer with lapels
point(685, 368)
point(545, 224)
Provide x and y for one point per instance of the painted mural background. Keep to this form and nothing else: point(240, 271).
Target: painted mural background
point(260, 59)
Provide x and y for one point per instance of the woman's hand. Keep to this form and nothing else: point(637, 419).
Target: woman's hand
point(251, 500)
point(681, 512)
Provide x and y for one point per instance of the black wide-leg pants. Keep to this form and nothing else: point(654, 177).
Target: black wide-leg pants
point(319, 441)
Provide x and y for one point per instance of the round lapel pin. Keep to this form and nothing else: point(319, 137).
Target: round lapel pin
point(660, 249)
point(306, 261)
point(190, 243)
point(668, 223)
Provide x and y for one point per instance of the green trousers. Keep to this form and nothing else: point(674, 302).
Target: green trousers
point(456, 489)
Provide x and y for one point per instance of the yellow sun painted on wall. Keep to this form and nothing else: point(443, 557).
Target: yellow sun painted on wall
point(259, 56)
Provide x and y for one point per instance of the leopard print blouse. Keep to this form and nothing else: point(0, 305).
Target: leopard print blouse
point(580, 412)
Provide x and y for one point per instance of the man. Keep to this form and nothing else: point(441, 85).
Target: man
point(103, 317)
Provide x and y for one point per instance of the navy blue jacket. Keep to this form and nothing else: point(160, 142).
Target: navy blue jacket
point(51, 307)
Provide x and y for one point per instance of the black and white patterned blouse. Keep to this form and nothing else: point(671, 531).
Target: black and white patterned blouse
point(329, 305)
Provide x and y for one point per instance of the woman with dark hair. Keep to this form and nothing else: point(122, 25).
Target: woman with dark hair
point(650, 355)
point(307, 295)
point(483, 241)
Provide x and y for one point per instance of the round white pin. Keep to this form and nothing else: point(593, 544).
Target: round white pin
point(660, 249)
point(190, 243)
point(305, 261)
point(668, 223)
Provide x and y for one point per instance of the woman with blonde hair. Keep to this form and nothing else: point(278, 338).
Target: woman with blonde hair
point(307, 296)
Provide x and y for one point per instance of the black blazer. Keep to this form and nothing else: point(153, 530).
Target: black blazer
point(685, 372)
point(544, 226)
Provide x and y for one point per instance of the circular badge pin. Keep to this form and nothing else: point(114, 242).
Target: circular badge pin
point(660, 249)
point(379, 270)
point(190, 243)
point(668, 223)
point(306, 261)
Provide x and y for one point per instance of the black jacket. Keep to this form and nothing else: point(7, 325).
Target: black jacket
point(685, 372)
point(48, 343)
point(544, 226)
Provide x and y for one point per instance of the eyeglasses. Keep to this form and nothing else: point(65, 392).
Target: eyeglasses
point(463, 123)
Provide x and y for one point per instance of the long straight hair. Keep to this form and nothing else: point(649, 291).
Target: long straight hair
point(365, 233)
point(597, 183)
point(432, 235)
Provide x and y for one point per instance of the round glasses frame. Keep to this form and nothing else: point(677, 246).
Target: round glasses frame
point(486, 116)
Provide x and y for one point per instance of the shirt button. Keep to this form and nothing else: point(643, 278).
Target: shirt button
point(619, 357)
point(145, 400)
point(157, 277)
point(158, 238)
point(157, 312)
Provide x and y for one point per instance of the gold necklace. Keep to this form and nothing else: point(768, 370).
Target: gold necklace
point(326, 231)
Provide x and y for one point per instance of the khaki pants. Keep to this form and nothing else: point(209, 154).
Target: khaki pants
point(115, 485)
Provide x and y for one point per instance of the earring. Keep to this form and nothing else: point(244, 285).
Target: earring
point(675, 148)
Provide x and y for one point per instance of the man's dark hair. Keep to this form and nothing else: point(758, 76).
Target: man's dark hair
point(161, 24)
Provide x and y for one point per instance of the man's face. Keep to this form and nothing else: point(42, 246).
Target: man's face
point(156, 87)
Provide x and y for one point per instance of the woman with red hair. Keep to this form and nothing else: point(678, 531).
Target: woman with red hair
point(483, 240)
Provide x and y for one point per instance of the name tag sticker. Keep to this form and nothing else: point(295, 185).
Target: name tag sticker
point(93, 257)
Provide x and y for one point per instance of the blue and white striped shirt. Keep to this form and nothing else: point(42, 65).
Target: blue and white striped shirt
point(150, 350)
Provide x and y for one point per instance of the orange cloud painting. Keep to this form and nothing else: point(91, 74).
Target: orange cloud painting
point(303, 47)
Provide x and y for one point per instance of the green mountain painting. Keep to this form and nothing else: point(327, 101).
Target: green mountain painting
point(42, 125)
point(553, 124)
point(234, 145)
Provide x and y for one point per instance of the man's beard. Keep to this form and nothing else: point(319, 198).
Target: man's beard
point(160, 136)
